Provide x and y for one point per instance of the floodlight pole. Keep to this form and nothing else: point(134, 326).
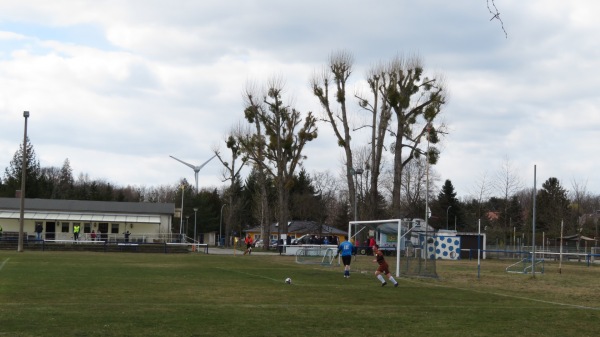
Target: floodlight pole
point(561, 247)
point(356, 172)
point(187, 225)
point(533, 222)
point(221, 225)
point(427, 180)
point(427, 213)
point(448, 209)
point(181, 215)
point(478, 248)
point(195, 237)
point(23, 175)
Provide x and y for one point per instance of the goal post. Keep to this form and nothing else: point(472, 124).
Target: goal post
point(401, 233)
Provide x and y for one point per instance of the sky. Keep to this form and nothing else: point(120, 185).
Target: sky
point(118, 86)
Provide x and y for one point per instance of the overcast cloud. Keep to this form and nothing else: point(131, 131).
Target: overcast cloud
point(118, 86)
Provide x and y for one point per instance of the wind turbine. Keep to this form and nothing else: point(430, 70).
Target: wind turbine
point(195, 168)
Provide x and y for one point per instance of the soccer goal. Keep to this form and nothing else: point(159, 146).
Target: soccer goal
point(412, 241)
point(324, 256)
point(525, 267)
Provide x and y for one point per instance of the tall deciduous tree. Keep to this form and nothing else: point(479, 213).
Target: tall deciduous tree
point(396, 89)
point(416, 101)
point(277, 147)
point(480, 193)
point(330, 89)
point(507, 184)
point(328, 188)
point(413, 187)
point(231, 173)
point(582, 205)
point(377, 106)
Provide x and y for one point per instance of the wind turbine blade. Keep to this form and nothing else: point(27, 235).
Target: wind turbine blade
point(181, 161)
point(206, 162)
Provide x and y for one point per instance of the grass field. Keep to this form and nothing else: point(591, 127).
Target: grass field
point(132, 294)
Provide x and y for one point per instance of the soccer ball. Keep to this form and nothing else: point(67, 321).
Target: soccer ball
point(288, 280)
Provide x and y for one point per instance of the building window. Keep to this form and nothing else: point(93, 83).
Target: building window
point(64, 227)
point(114, 228)
point(87, 227)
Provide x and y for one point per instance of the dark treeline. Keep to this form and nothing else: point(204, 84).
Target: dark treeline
point(320, 198)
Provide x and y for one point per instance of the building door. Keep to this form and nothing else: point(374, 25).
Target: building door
point(103, 228)
point(50, 229)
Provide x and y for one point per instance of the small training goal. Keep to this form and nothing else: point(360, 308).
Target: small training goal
point(324, 256)
point(526, 266)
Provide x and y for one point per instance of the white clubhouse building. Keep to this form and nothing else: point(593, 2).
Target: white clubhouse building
point(109, 220)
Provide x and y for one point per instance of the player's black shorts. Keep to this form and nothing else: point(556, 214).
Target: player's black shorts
point(346, 260)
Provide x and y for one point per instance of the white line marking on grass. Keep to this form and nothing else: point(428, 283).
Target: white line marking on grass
point(4, 262)
point(510, 296)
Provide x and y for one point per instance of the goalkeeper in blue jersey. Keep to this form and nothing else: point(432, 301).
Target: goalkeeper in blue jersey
point(346, 249)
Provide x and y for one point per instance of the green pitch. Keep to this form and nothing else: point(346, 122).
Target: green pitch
point(133, 294)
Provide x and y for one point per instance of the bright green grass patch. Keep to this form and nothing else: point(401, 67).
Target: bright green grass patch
point(128, 294)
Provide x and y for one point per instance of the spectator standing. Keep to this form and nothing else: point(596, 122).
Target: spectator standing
point(127, 236)
point(93, 235)
point(76, 231)
point(38, 230)
point(371, 244)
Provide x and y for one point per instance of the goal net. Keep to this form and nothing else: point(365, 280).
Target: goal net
point(324, 256)
point(410, 245)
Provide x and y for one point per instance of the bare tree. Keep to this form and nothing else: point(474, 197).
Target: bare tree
point(481, 192)
point(329, 87)
point(414, 185)
point(327, 187)
point(507, 183)
point(395, 89)
point(368, 207)
point(231, 173)
point(416, 102)
point(277, 145)
point(381, 115)
point(581, 203)
point(261, 208)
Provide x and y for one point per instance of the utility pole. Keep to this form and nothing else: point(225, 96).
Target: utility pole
point(23, 175)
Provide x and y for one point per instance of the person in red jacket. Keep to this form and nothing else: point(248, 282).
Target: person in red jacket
point(248, 241)
point(371, 244)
